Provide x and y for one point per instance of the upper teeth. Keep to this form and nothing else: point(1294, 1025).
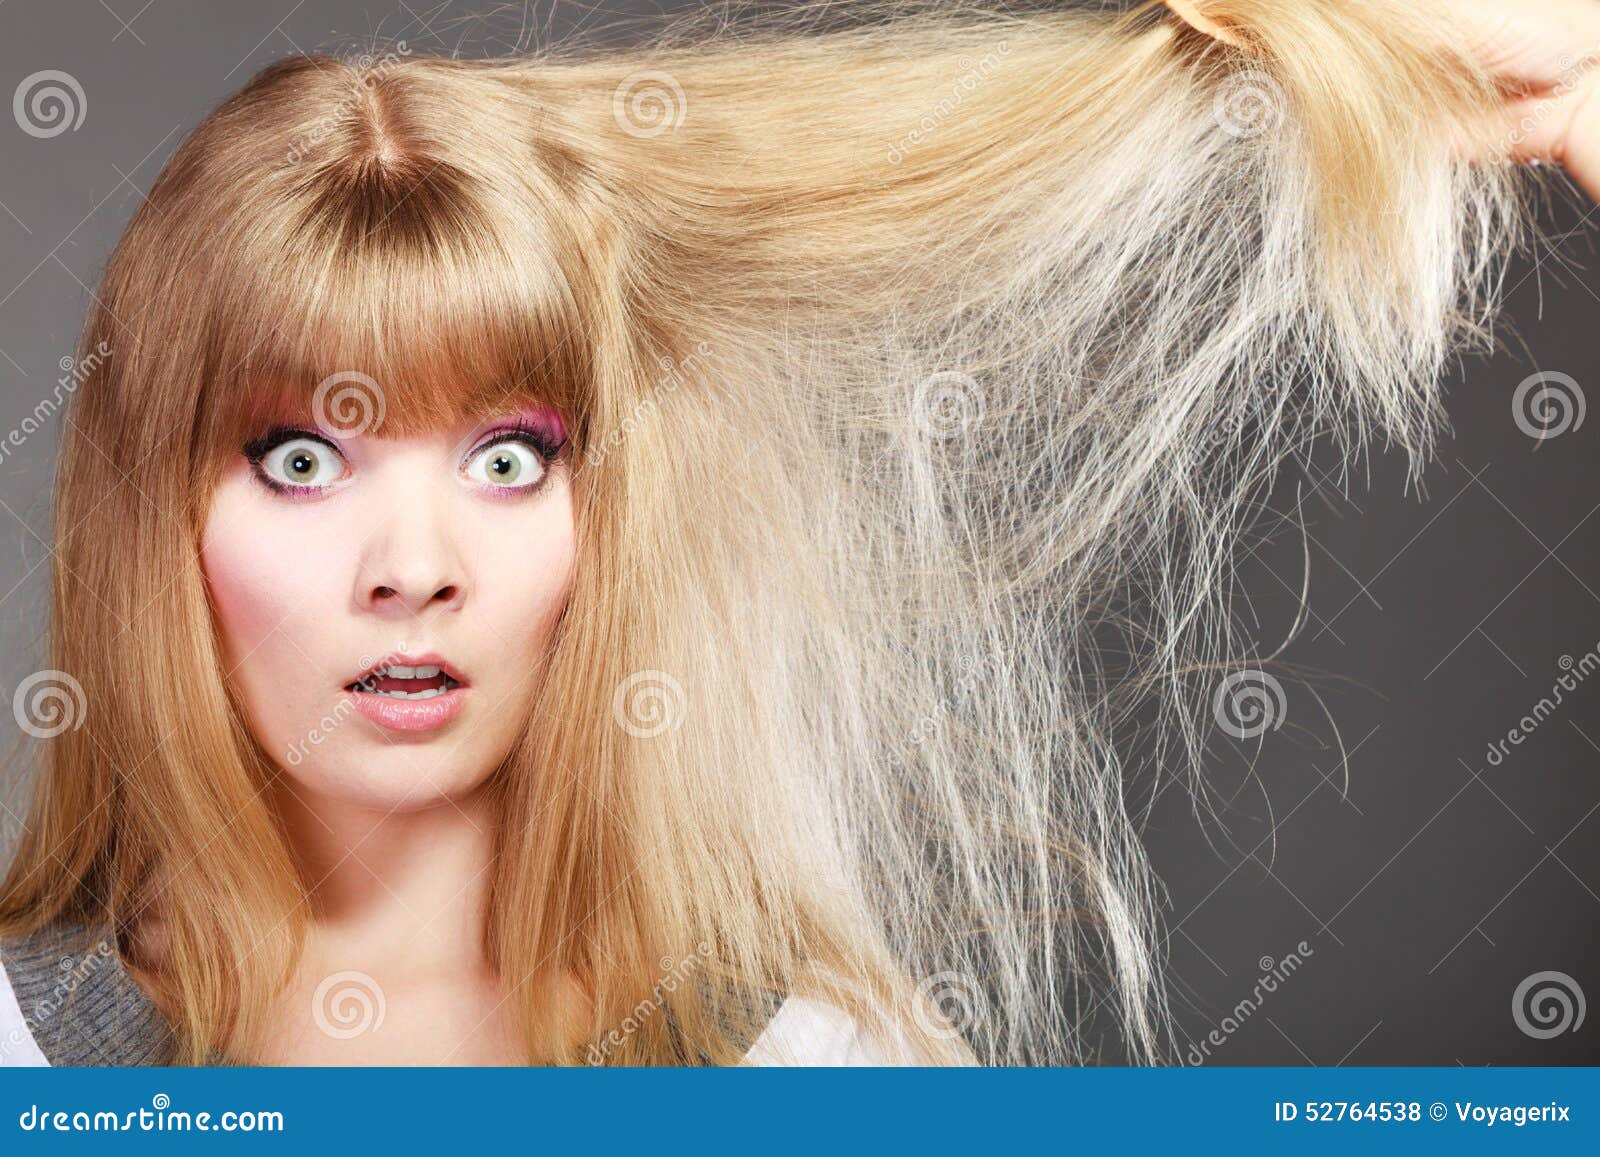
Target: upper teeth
point(398, 672)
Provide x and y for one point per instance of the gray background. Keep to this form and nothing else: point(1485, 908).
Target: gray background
point(1426, 892)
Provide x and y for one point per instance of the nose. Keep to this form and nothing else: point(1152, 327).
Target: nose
point(413, 565)
point(413, 594)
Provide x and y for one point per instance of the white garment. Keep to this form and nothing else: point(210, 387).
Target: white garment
point(803, 1032)
point(17, 1046)
point(811, 1032)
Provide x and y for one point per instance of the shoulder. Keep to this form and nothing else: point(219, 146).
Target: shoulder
point(810, 1032)
point(66, 1000)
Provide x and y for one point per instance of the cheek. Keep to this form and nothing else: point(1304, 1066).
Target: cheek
point(248, 603)
point(522, 579)
point(264, 574)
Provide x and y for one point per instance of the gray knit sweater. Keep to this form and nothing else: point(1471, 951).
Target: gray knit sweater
point(79, 1002)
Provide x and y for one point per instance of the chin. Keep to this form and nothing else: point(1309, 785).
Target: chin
point(399, 779)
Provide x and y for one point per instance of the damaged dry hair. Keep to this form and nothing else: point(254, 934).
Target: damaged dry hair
point(922, 372)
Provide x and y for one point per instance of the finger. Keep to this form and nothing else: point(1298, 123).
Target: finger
point(1561, 127)
point(1190, 14)
point(1533, 43)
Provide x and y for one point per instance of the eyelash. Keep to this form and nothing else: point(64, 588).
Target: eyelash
point(531, 436)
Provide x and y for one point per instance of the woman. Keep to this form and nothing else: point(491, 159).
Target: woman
point(658, 557)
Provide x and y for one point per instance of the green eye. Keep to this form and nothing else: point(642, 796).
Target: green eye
point(507, 464)
point(302, 462)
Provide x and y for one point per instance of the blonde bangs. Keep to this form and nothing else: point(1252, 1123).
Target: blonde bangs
point(394, 293)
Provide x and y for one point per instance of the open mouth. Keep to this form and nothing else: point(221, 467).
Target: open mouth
point(397, 681)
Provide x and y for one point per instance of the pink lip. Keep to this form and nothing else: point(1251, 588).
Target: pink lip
point(411, 714)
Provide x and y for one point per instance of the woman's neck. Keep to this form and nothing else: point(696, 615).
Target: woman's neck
point(393, 969)
point(396, 886)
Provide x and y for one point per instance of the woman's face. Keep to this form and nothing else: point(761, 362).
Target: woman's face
point(330, 558)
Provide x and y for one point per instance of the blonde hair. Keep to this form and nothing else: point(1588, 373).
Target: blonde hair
point(920, 373)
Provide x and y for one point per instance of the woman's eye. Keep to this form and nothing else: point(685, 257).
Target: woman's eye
point(509, 464)
point(302, 462)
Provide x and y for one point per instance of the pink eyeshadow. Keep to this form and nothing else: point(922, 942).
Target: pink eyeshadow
point(546, 420)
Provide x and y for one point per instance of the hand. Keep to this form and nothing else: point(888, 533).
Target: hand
point(1547, 54)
